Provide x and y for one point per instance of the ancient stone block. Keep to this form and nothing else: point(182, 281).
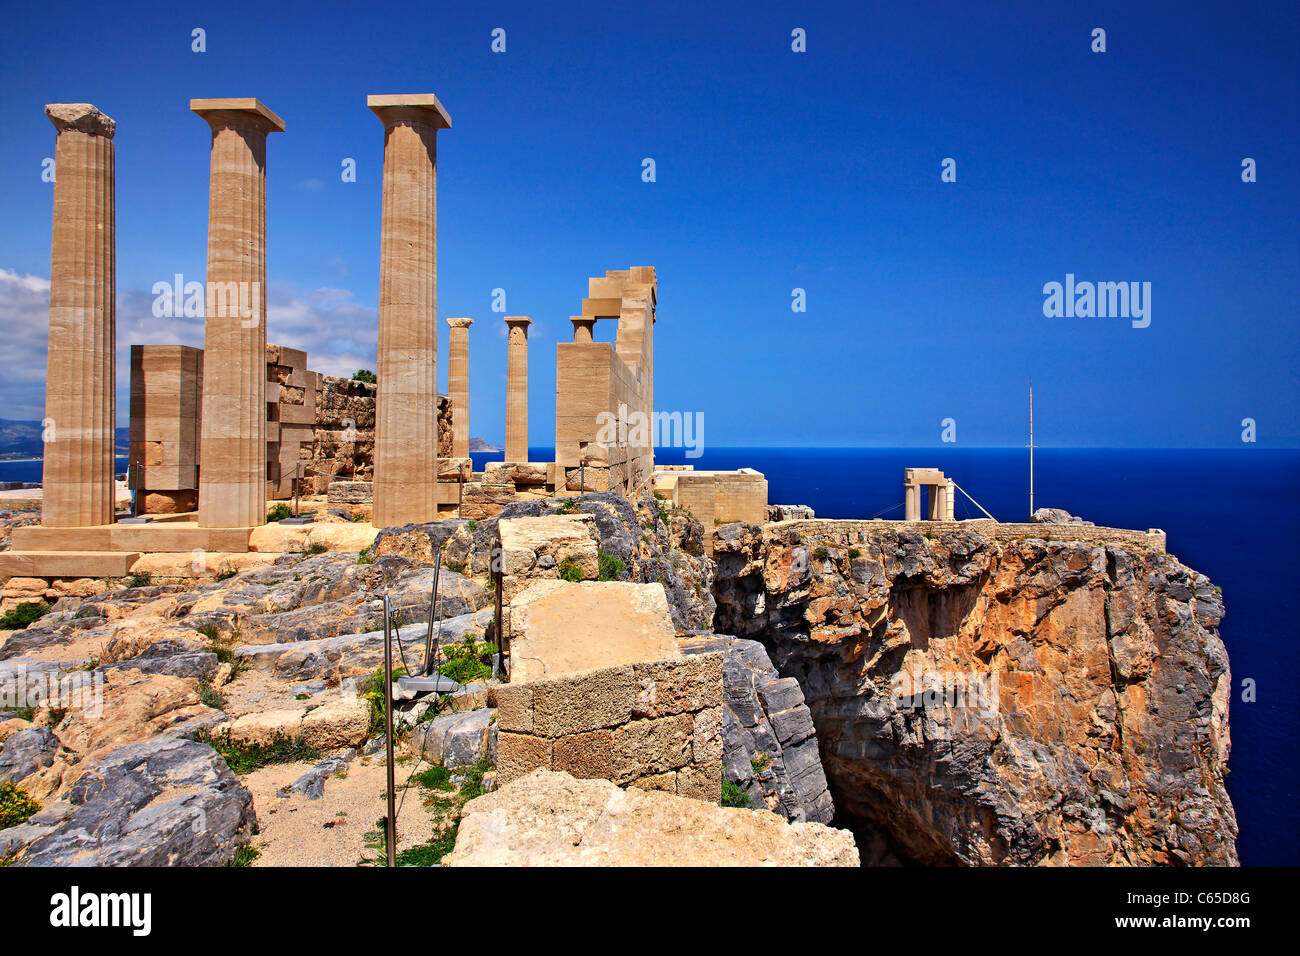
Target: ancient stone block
point(678, 686)
point(584, 755)
point(518, 754)
point(581, 702)
point(644, 747)
point(701, 781)
point(515, 707)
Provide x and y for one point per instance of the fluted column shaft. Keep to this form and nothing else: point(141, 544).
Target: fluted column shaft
point(406, 411)
point(232, 456)
point(458, 385)
point(517, 388)
point(80, 406)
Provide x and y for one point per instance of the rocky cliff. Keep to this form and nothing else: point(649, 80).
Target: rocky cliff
point(977, 701)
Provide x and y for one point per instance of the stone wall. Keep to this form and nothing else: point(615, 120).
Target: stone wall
point(594, 380)
point(717, 497)
point(655, 725)
point(856, 531)
point(290, 417)
point(166, 398)
point(344, 438)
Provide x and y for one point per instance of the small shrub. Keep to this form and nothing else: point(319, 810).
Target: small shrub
point(854, 554)
point(210, 696)
point(435, 778)
point(316, 549)
point(17, 618)
point(365, 557)
point(456, 566)
point(569, 570)
point(611, 568)
point(245, 855)
point(227, 574)
point(279, 512)
point(140, 579)
point(473, 523)
point(821, 554)
point(473, 785)
point(15, 805)
point(364, 375)
point(467, 661)
point(733, 796)
point(245, 758)
point(760, 762)
point(373, 690)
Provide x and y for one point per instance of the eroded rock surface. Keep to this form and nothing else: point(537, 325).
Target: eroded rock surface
point(1107, 734)
point(552, 819)
point(770, 743)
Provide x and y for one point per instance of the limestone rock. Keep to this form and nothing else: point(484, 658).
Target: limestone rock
point(26, 752)
point(342, 722)
point(769, 742)
point(160, 802)
point(1056, 516)
point(454, 740)
point(1091, 723)
point(551, 819)
point(789, 512)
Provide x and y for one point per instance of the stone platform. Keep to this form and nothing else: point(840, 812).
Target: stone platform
point(66, 564)
point(155, 536)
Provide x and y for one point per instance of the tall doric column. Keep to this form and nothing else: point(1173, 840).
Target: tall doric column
point(80, 407)
point(517, 388)
point(232, 450)
point(584, 327)
point(458, 386)
point(406, 413)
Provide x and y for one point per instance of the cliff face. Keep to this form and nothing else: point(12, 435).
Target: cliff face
point(985, 702)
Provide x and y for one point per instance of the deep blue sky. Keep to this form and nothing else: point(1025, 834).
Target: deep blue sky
point(775, 170)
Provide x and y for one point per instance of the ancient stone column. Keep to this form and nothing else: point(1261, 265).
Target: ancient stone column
point(80, 409)
point(517, 388)
point(458, 386)
point(583, 328)
point(406, 410)
point(232, 451)
point(911, 501)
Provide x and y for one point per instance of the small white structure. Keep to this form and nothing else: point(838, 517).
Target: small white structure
point(941, 496)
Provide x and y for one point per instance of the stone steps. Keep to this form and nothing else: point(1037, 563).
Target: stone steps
point(66, 564)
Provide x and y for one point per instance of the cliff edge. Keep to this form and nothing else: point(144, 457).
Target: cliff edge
point(997, 700)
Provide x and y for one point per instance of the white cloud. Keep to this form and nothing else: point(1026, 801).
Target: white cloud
point(24, 332)
point(338, 334)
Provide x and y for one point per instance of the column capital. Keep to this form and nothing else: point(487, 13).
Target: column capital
point(460, 323)
point(81, 117)
point(584, 327)
point(519, 322)
point(239, 112)
point(421, 108)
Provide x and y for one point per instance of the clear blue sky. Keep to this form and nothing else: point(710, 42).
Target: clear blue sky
point(775, 170)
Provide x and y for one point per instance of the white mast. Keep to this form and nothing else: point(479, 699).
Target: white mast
point(1031, 448)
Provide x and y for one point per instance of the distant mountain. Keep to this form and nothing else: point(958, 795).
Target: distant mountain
point(23, 439)
point(478, 444)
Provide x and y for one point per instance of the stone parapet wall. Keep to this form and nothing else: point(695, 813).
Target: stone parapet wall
point(1153, 539)
point(654, 725)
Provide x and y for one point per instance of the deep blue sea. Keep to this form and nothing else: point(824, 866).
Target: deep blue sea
point(1233, 515)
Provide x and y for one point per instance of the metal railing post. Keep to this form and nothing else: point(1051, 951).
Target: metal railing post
point(390, 835)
